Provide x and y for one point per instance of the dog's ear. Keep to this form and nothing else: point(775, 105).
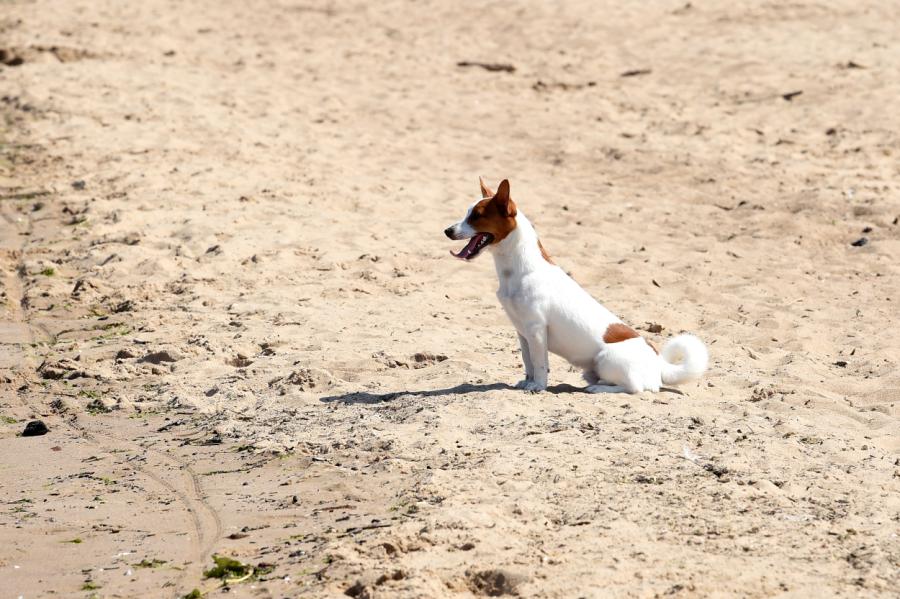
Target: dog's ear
point(504, 202)
point(486, 192)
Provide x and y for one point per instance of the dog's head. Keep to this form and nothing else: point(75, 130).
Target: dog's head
point(487, 222)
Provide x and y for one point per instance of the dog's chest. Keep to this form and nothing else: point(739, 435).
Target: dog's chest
point(518, 297)
point(510, 284)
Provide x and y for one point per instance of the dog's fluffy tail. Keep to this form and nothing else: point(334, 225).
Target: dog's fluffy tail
point(683, 358)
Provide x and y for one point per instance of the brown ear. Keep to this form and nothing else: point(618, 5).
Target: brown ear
point(486, 192)
point(504, 202)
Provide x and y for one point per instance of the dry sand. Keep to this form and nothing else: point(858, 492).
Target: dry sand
point(226, 292)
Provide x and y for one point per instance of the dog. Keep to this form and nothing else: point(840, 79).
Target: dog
point(552, 313)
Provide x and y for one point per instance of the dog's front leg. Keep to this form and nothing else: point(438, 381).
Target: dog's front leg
point(536, 342)
point(526, 359)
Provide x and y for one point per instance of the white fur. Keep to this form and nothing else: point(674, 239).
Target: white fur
point(684, 358)
point(462, 229)
point(552, 313)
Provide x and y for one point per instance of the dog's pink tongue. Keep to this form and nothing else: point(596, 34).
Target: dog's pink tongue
point(466, 252)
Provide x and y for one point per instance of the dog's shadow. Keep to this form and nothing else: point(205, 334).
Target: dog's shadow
point(362, 397)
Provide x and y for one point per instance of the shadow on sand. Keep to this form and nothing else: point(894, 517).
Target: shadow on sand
point(361, 397)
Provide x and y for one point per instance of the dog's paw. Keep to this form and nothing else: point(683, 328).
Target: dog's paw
point(532, 386)
point(521, 384)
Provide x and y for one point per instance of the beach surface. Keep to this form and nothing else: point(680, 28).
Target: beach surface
point(225, 290)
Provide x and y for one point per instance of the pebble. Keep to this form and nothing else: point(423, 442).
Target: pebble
point(35, 428)
point(159, 357)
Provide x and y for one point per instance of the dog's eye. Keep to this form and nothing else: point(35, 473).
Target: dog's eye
point(474, 216)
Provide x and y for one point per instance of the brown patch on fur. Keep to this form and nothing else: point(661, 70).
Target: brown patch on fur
point(617, 332)
point(495, 215)
point(544, 253)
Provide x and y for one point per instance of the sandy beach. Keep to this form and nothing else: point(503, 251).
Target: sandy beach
point(226, 292)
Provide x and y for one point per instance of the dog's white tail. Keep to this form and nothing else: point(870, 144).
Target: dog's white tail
point(683, 358)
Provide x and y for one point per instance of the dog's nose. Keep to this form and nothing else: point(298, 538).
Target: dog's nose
point(449, 232)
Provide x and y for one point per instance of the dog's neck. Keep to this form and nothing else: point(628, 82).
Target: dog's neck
point(519, 253)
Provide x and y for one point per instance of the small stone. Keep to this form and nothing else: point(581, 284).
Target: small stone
point(62, 369)
point(424, 359)
point(125, 306)
point(35, 428)
point(159, 357)
point(239, 361)
point(860, 242)
point(10, 59)
point(78, 185)
point(97, 407)
point(495, 582)
point(357, 589)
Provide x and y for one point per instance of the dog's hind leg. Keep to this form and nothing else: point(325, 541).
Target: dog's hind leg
point(615, 369)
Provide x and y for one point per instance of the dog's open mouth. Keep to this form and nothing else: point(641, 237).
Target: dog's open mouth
point(475, 245)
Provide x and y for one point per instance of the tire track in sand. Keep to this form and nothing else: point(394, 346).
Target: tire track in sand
point(170, 472)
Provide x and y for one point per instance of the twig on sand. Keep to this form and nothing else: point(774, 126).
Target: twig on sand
point(345, 506)
point(355, 529)
point(489, 66)
point(672, 390)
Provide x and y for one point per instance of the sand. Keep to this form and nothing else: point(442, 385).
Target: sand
point(226, 291)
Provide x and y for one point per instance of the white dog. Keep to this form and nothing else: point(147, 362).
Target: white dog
point(551, 312)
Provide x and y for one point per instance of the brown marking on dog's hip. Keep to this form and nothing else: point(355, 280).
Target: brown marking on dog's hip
point(617, 332)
